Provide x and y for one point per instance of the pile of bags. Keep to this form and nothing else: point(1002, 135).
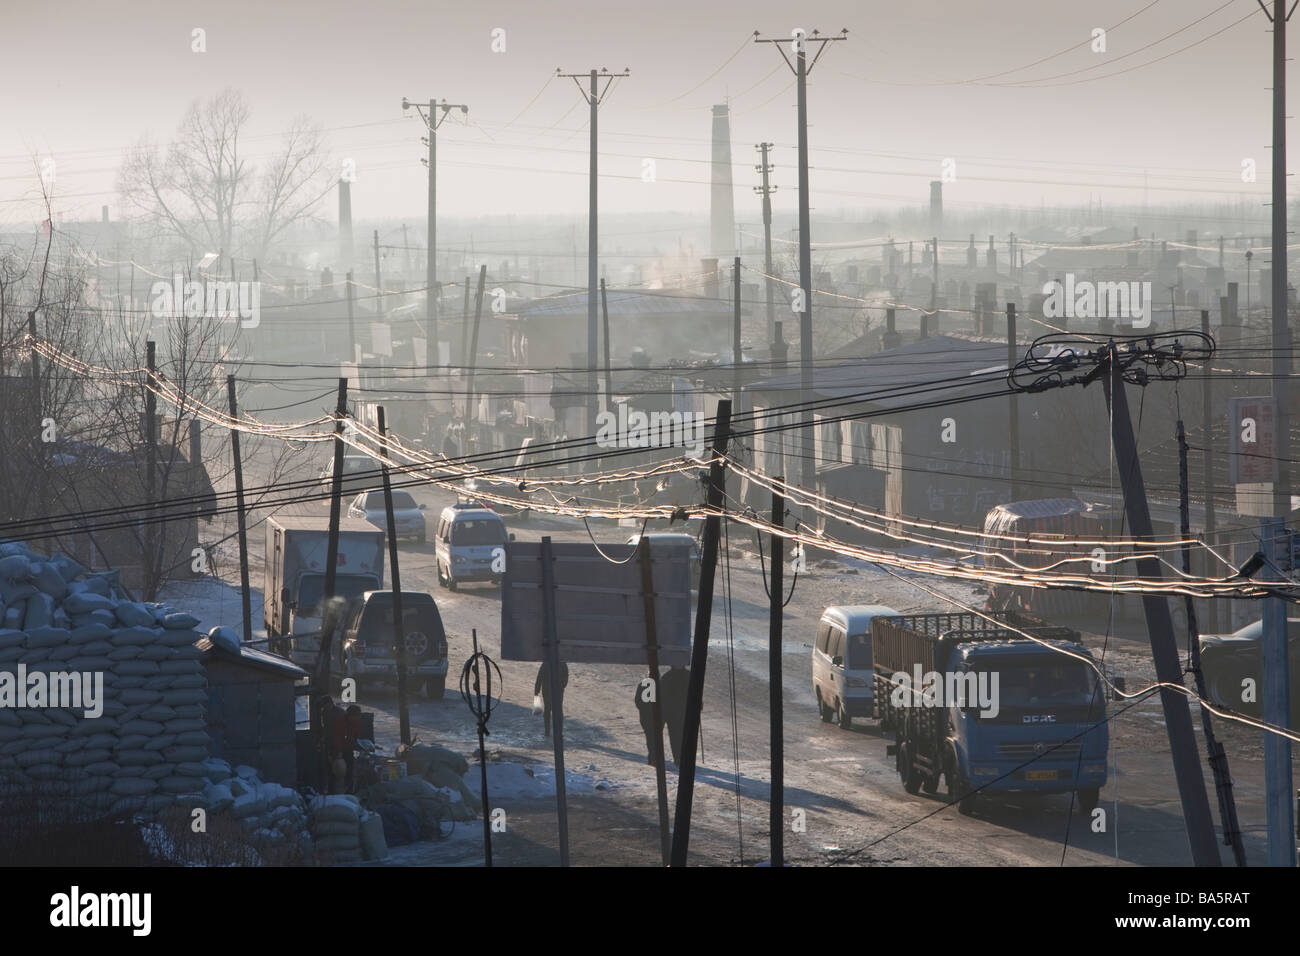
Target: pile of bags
point(150, 734)
point(272, 815)
point(343, 832)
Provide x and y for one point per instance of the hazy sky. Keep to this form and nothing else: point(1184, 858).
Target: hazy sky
point(915, 83)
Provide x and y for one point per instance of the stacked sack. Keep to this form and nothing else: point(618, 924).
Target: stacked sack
point(272, 815)
point(336, 827)
point(131, 759)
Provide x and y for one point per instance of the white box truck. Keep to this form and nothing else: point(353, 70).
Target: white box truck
point(297, 550)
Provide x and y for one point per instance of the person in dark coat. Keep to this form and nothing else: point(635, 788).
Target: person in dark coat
point(543, 687)
point(672, 704)
point(645, 710)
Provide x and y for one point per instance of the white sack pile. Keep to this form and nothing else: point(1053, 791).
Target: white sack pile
point(132, 758)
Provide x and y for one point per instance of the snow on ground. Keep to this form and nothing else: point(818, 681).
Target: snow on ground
point(214, 602)
point(534, 781)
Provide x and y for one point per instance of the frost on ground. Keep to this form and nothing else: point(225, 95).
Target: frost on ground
point(533, 781)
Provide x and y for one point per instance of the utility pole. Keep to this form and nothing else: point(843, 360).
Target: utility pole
point(609, 375)
point(379, 281)
point(151, 462)
point(464, 325)
point(776, 799)
point(352, 331)
point(700, 646)
point(328, 612)
point(735, 333)
point(470, 418)
point(798, 44)
point(1164, 647)
point(399, 622)
point(432, 120)
point(1013, 405)
point(1273, 640)
point(766, 191)
point(593, 99)
point(246, 599)
point(656, 709)
point(1207, 466)
point(1213, 749)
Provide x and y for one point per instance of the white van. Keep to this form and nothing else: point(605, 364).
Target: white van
point(841, 661)
point(470, 545)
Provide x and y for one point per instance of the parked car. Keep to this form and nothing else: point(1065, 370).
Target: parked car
point(675, 537)
point(360, 472)
point(369, 650)
point(841, 662)
point(469, 545)
point(1228, 660)
point(408, 517)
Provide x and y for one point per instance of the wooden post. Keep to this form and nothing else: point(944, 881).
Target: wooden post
point(246, 598)
point(321, 677)
point(473, 361)
point(700, 647)
point(399, 622)
point(555, 691)
point(656, 708)
point(776, 799)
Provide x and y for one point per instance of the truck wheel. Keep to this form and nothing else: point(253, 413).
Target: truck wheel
point(436, 687)
point(846, 721)
point(1088, 798)
point(960, 793)
point(931, 783)
point(907, 769)
point(826, 712)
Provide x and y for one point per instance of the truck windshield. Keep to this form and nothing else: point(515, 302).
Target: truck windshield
point(346, 586)
point(1035, 682)
point(475, 531)
point(859, 651)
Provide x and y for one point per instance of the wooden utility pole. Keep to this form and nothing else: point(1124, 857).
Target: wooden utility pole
point(776, 618)
point(352, 331)
point(473, 359)
point(801, 69)
point(464, 326)
point(735, 333)
point(1164, 647)
point(399, 622)
point(379, 281)
point(329, 613)
point(593, 99)
point(1013, 406)
point(432, 120)
point(1207, 461)
point(1276, 700)
point(700, 647)
point(555, 690)
point(766, 191)
point(151, 467)
point(241, 514)
point(609, 380)
point(656, 706)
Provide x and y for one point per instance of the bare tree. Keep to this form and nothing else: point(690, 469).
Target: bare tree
point(204, 192)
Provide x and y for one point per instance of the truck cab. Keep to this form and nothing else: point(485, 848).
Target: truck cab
point(367, 639)
point(991, 702)
point(1037, 737)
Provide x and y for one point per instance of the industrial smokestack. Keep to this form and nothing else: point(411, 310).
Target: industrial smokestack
point(345, 224)
point(936, 206)
point(722, 210)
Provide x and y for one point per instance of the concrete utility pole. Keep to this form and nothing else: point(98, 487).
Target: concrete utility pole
point(766, 191)
point(379, 281)
point(593, 99)
point(798, 41)
point(432, 120)
point(1273, 641)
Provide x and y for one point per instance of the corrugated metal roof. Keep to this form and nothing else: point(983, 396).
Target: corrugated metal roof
point(253, 657)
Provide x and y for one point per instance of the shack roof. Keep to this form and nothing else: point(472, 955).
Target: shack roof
point(253, 657)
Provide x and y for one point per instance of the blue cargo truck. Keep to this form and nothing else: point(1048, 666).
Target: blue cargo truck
point(992, 711)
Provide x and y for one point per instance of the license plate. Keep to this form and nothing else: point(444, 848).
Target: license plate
point(1040, 774)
